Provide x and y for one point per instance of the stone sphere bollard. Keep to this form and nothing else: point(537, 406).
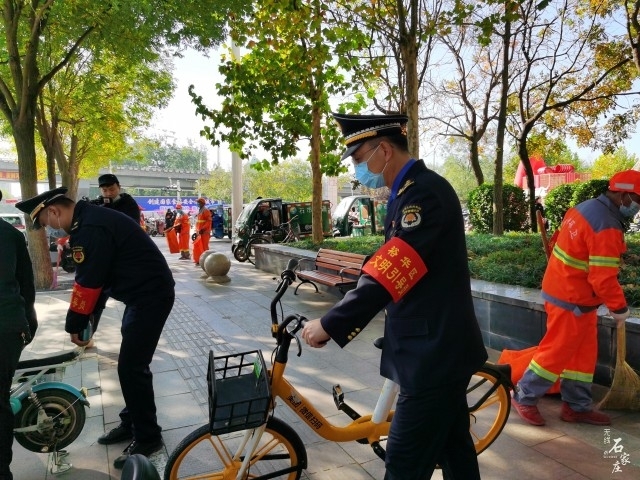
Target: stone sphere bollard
point(203, 257)
point(217, 265)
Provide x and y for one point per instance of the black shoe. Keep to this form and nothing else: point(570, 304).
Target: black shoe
point(135, 447)
point(116, 435)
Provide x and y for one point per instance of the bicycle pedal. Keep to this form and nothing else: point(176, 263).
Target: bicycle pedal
point(338, 398)
point(338, 395)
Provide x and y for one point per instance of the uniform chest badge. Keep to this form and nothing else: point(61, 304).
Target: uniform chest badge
point(411, 216)
point(77, 253)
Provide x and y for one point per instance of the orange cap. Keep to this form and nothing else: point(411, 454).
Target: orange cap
point(178, 205)
point(625, 181)
point(201, 201)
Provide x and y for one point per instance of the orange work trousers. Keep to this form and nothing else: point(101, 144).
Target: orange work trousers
point(569, 349)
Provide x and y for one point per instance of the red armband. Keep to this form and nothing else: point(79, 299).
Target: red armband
point(397, 267)
point(83, 299)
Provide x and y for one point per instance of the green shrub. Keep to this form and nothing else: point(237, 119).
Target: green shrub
point(515, 208)
point(586, 190)
point(557, 202)
point(513, 259)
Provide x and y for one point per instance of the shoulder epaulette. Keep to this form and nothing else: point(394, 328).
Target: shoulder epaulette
point(406, 185)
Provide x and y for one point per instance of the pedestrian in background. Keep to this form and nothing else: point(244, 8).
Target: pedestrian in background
point(432, 342)
point(183, 229)
point(582, 274)
point(18, 324)
point(112, 197)
point(112, 254)
point(168, 219)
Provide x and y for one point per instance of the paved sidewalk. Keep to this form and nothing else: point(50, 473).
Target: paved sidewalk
point(234, 317)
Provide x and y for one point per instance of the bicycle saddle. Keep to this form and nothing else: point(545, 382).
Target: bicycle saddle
point(139, 467)
point(378, 342)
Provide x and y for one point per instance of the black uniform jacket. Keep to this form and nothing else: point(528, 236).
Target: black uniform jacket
point(431, 334)
point(17, 290)
point(112, 252)
point(127, 205)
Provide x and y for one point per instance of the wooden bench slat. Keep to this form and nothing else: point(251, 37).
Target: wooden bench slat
point(333, 268)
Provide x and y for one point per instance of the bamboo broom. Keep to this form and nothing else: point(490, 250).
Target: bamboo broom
point(625, 387)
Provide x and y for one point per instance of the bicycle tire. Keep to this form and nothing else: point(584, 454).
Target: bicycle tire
point(68, 416)
point(281, 455)
point(489, 403)
point(249, 250)
point(240, 253)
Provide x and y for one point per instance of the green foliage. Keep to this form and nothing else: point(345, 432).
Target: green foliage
point(515, 208)
point(164, 155)
point(557, 202)
point(590, 189)
point(609, 163)
point(568, 195)
point(293, 64)
point(512, 259)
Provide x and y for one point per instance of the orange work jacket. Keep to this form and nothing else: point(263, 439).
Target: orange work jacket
point(583, 268)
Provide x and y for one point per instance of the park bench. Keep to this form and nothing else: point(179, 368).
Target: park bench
point(331, 268)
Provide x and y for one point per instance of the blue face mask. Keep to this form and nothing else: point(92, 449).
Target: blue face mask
point(364, 175)
point(630, 210)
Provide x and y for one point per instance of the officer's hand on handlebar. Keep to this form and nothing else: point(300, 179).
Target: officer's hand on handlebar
point(314, 334)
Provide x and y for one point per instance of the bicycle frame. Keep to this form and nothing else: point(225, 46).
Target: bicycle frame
point(363, 428)
point(239, 453)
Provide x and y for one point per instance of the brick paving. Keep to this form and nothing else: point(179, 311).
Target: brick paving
point(234, 317)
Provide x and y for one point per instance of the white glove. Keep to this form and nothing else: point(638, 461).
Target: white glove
point(620, 317)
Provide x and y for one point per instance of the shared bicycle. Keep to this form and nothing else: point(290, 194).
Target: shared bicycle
point(244, 440)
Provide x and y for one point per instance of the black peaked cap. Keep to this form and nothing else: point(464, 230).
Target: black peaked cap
point(33, 206)
point(357, 129)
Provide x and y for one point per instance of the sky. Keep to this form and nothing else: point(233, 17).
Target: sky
point(178, 121)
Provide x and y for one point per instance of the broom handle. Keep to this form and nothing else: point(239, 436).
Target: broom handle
point(622, 344)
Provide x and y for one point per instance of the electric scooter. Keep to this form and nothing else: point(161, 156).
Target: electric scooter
point(49, 414)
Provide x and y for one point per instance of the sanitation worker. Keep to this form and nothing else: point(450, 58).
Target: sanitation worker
point(582, 274)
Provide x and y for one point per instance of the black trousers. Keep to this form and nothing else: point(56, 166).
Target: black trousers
point(141, 329)
point(12, 345)
point(428, 429)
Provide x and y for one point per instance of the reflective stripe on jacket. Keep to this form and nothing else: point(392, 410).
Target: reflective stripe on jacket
point(583, 268)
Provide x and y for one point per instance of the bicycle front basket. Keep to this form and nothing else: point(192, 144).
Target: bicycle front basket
point(239, 393)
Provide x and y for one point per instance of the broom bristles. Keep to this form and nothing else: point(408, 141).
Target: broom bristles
point(625, 387)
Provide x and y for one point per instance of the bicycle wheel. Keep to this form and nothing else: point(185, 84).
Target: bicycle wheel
point(250, 251)
point(67, 420)
point(489, 406)
point(240, 253)
point(280, 454)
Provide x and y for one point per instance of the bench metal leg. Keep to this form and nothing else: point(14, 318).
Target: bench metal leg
point(295, 292)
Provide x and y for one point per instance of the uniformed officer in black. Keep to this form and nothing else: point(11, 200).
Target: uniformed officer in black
point(112, 197)
point(432, 342)
point(110, 254)
point(18, 323)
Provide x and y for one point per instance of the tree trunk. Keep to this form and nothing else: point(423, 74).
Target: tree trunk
point(523, 154)
point(474, 160)
point(316, 203)
point(409, 56)
point(498, 207)
point(24, 138)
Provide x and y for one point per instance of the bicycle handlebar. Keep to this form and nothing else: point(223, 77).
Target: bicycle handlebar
point(287, 277)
